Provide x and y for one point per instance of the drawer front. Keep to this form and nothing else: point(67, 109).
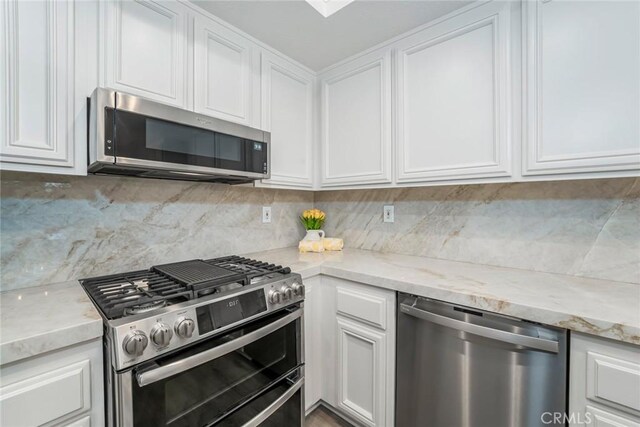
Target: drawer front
point(47, 397)
point(614, 382)
point(365, 307)
point(598, 418)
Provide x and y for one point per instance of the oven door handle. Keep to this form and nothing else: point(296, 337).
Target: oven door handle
point(166, 371)
point(269, 410)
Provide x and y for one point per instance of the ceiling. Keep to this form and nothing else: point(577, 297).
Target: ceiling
point(296, 29)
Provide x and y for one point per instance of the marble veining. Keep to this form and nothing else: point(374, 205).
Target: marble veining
point(599, 307)
point(588, 228)
point(57, 228)
point(46, 318)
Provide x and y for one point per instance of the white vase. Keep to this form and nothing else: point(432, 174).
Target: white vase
point(314, 235)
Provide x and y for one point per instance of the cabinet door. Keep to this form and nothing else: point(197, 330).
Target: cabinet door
point(356, 122)
point(287, 112)
point(223, 72)
point(453, 98)
point(36, 94)
point(582, 86)
point(361, 372)
point(145, 44)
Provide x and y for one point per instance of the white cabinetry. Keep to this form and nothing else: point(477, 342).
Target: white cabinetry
point(604, 382)
point(453, 98)
point(287, 112)
point(146, 45)
point(581, 86)
point(59, 388)
point(224, 73)
point(356, 122)
point(313, 352)
point(37, 90)
point(363, 367)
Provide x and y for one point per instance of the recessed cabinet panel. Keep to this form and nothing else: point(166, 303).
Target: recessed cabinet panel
point(146, 49)
point(287, 112)
point(57, 393)
point(222, 72)
point(582, 86)
point(356, 122)
point(36, 69)
point(453, 116)
point(361, 372)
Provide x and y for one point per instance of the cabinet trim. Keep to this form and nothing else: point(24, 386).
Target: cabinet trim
point(533, 160)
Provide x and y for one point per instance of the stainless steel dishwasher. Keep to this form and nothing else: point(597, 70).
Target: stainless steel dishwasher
point(461, 367)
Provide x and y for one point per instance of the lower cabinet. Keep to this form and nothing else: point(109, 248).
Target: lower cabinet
point(312, 344)
point(62, 388)
point(350, 349)
point(604, 384)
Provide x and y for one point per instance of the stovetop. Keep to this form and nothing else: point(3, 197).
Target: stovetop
point(137, 292)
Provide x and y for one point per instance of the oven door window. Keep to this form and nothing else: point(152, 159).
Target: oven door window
point(209, 393)
point(146, 138)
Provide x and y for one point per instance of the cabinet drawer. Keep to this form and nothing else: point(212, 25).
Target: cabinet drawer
point(362, 306)
point(614, 382)
point(57, 393)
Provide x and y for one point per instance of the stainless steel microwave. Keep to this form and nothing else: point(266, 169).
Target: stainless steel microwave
point(134, 136)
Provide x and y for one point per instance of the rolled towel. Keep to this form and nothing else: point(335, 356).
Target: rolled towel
point(333, 244)
point(311, 246)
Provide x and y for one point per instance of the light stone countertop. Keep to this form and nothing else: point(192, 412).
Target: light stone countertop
point(598, 307)
point(45, 318)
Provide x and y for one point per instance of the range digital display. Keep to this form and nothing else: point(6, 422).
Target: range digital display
point(230, 310)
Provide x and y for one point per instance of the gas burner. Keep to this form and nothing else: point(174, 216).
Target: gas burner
point(142, 291)
point(146, 307)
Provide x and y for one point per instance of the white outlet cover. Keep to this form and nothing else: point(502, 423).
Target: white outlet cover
point(266, 214)
point(388, 213)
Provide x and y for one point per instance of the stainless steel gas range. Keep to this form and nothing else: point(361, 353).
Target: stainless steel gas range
point(203, 342)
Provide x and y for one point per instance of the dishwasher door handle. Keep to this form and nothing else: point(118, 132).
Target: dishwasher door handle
point(483, 331)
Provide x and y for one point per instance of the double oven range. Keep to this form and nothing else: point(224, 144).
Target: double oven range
point(203, 342)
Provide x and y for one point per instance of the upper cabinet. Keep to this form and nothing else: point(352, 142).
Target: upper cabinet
point(581, 86)
point(453, 115)
point(145, 45)
point(223, 85)
point(356, 122)
point(287, 112)
point(37, 90)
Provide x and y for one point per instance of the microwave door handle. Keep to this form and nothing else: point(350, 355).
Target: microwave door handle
point(541, 344)
point(160, 373)
point(269, 410)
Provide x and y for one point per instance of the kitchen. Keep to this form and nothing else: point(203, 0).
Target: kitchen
point(156, 158)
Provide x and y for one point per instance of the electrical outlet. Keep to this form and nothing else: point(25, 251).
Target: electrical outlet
point(266, 214)
point(388, 213)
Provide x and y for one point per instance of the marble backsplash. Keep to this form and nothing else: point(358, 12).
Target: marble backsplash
point(586, 228)
point(57, 228)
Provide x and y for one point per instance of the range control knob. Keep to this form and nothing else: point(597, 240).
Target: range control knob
point(275, 297)
point(287, 292)
point(161, 334)
point(135, 342)
point(184, 327)
point(298, 289)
